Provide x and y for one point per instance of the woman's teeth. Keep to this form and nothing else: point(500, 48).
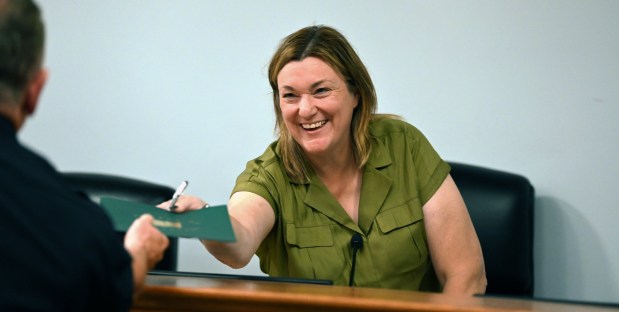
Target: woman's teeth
point(313, 125)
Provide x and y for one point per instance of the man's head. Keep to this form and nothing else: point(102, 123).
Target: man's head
point(22, 37)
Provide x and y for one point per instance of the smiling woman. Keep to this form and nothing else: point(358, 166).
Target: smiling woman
point(317, 108)
point(339, 170)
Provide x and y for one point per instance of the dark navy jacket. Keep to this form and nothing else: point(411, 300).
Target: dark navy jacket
point(58, 250)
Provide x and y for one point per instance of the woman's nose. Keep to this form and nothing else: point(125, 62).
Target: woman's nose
point(306, 106)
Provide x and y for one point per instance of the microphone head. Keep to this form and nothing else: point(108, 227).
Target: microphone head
point(356, 241)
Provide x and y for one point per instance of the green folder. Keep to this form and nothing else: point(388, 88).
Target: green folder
point(212, 223)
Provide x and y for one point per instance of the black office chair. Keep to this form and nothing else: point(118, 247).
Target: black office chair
point(501, 207)
point(97, 185)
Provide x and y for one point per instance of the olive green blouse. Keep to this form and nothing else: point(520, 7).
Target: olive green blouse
point(312, 232)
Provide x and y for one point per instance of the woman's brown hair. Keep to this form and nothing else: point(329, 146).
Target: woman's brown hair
point(330, 46)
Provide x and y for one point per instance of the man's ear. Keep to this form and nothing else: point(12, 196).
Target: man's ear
point(33, 91)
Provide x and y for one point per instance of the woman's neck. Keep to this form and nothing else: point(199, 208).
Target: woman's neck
point(334, 165)
point(342, 177)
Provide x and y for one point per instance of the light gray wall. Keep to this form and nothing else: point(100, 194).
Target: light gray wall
point(172, 90)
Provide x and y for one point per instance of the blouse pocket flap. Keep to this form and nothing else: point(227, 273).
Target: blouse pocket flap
point(313, 236)
point(400, 216)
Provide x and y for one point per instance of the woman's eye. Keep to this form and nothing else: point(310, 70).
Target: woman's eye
point(289, 98)
point(321, 90)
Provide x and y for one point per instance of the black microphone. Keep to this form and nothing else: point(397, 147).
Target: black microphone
point(356, 242)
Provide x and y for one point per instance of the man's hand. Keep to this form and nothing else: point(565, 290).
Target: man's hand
point(146, 245)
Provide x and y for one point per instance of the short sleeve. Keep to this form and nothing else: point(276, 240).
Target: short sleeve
point(264, 176)
point(412, 154)
point(254, 179)
point(431, 169)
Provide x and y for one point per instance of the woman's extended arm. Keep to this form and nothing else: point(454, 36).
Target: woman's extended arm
point(453, 243)
point(252, 219)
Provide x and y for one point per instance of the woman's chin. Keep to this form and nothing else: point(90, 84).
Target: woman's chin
point(314, 149)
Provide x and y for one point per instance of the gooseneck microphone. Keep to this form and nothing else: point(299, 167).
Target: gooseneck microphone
point(356, 242)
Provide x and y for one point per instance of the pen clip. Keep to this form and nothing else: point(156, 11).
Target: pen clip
point(179, 191)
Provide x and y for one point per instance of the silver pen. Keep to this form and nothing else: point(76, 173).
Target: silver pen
point(179, 191)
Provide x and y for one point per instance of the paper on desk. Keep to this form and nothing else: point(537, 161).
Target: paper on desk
point(212, 223)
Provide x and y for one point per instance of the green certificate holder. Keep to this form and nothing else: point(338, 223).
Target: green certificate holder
point(212, 223)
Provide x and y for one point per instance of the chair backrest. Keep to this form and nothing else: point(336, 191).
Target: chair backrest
point(501, 207)
point(96, 185)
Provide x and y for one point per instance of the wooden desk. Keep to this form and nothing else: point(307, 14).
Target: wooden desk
point(172, 293)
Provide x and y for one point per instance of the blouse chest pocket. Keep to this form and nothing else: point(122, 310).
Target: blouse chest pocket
point(313, 236)
point(400, 216)
point(313, 252)
point(403, 228)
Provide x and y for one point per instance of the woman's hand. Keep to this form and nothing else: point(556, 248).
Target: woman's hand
point(184, 203)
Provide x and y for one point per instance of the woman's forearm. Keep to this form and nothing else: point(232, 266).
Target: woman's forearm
point(235, 255)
